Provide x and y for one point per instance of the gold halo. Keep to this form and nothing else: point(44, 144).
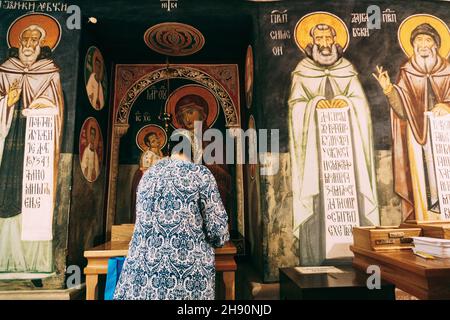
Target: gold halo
point(150, 128)
point(46, 22)
point(410, 23)
point(193, 89)
point(309, 21)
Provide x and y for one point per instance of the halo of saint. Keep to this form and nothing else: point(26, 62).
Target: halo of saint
point(47, 23)
point(412, 22)
point(142, 137)
point(308, 22)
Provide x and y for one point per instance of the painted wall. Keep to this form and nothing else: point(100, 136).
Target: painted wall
point(276, 59)
point(65, 57)
point(79, 216)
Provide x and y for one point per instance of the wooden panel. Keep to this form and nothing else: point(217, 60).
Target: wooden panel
point(122, 232)
point(434, 230)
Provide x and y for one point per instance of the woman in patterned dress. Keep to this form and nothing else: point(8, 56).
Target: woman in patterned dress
point(180, 218)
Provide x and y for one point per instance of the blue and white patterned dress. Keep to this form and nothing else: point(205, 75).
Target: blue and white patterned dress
point(180, 218)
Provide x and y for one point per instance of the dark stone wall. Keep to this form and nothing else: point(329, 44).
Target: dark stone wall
point(87, 222)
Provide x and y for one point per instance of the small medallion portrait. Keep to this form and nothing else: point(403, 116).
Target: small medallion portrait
point(91, 149)
point(95, 78)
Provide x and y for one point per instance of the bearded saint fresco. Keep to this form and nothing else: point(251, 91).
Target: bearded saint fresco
point(423, 85)
point(29, 82)
point(325, 79)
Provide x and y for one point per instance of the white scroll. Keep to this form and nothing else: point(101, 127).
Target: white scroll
point(440, 141)
point(37, 184)
point(338, 186)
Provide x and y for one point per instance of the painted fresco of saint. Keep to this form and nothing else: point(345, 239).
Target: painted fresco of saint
point(29, 81)
point(423, 85)
point(153, 153)
point(95, 85)
point(91, 149)
point(325, 79)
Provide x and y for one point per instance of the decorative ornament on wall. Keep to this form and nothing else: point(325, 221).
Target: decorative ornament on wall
point(249, 74)
point(174, 39)
point(91, 149)
point(95, 78)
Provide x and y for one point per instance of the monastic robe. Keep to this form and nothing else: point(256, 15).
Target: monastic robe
point(39, 84)
point(95, 92)
point(180, 219)
point(416, 92)
point(309, 86)
point(90, 164)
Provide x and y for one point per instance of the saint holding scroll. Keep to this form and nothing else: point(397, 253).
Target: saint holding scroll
point(31, 118)
point(423, 86)
point(331, 144)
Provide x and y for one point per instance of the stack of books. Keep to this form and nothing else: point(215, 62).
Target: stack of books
point(432, 246)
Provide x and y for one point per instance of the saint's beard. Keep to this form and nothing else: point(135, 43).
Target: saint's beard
point(30, 59)
point(426, 61)
point(326, 59)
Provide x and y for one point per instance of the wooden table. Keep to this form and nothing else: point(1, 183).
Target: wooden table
point(349, 285)
point(425, 279)
point(98, 264)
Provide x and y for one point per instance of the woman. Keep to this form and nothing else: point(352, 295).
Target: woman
point(180, 218)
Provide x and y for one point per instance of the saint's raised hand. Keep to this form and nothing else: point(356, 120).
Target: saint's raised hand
point(383, 79)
